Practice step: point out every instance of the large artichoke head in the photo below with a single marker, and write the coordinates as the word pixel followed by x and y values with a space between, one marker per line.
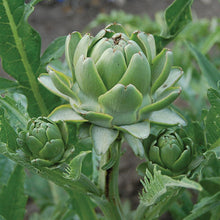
pixel 44 141
pixel 171 151
pixel 118 81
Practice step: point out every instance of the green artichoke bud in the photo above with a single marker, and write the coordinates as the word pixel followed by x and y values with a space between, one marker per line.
pixel 171 151
pixel 44 141
pixel 118 83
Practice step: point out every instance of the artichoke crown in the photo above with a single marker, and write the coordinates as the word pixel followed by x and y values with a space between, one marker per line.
pixel 118 82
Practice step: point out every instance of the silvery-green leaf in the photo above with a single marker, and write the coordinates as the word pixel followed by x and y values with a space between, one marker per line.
pixel 173 77
pixel 88 78
pixel 138 73
pixel 166 117
pixel 141 39
pixel 100 119
pixel 82 48
pixel 103 138
pixel 139 130
pixel 135 144
pixel 62 83
pixel 65 113
pixel 161 67
pixel 117 28
pixel 122 103
pixel 46 81
pixel 111 66
pixel 71 43
pixel 163 102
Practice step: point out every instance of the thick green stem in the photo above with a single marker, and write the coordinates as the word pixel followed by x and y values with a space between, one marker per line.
pixel 112 180
pixel 108 183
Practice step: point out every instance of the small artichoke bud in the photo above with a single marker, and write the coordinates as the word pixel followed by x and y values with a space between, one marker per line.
pixel 44 141
pixel 171 151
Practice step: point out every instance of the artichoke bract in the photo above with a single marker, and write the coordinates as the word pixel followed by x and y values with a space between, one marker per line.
pixel 171 151
pixel 44 141
pixel 118 83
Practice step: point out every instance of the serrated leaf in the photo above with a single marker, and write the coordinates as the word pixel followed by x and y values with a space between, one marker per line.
pixel 177 16
pixel 157 184
pixel 159 190
pixel 56 174
pixel 212 120
pixel 74 168
pixel 13 207
pixel 6 168
pixel 20 50
pixel 210 72
pixel 14 111
pixel 54 51
pixel 7 84
pixel 7 133
pixel 205 205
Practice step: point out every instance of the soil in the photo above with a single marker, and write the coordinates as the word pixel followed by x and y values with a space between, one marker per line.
pixel 54 20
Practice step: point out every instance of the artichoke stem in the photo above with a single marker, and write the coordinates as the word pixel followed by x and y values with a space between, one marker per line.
pixel 108 181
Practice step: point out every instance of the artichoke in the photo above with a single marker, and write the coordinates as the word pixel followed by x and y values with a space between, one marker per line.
pixel 44 141
pixel 171 151
pixel 117 83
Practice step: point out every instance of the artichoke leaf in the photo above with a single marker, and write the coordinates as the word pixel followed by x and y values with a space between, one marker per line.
pixel 174 76
pixel 142 40
pixel 88 78
pixel 138 73
pixel 99 49
pixel 101 34
pixel 130 49
pixel 152 44
pixel 111 66
pixel 115 103
pixel 62 83
pixel 65 113
pixel 71 43
pixel 103 138
pixel 183 160
pixel 34 144
pixel 100 119
pixel 135 144
pixel 139 130
pixel 82 48
pixel 47 82
pixel 75 166
pixel 161 68
pixel 53 150
pixel 117 28
pixel 162 103
pixel 166 117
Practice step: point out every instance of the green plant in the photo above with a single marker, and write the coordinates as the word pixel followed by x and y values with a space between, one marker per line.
pixel 171 150
pixel 111 88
